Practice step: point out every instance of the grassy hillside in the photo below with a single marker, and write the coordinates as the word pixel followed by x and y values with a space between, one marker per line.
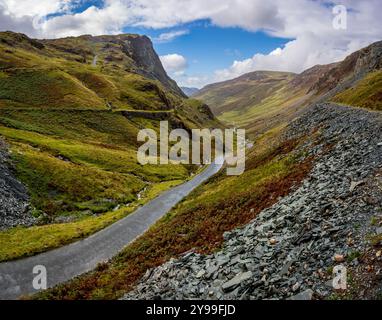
pixel 367 93
pixel 263 103
pixel 199 222
pixel 64 112
pixel 257 101
pixel 262 100
pixel 243 92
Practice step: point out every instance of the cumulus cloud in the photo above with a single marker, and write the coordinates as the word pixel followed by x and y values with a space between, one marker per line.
pixel 176 66
pixel 297 55
pixel 307 22
pixel 194 81
pixel 22 8
pixel 170 36
pixel 315 39
pixel 8 22
pixel 174 63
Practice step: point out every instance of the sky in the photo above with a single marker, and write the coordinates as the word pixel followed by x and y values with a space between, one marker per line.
pixel 206 41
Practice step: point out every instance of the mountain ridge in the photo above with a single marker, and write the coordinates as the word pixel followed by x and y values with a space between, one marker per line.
pixel 127 73
pixel 245 104
pixel 138 49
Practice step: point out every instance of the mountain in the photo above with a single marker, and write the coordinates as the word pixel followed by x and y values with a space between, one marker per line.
pixel 190 91
pixel 304 206
pixel 241 93
pixel 70 113
pixel 255 101
pixel 85 72
pixel 261 100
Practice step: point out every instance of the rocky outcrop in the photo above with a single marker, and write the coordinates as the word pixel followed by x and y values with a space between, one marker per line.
pixel 307 79
pixel 289 250
pixel 135 53
pixel 342 75
pixel 14 201
pixel 141 50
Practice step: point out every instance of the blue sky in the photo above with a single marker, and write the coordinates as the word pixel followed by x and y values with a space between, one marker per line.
pixel 205 46
pixel 205 41
pixel 208 48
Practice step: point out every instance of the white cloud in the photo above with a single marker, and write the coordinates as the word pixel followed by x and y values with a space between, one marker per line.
pixel 170 36
pixel 95 21
pixel 22 8
pixel 176 66
pixel 315 40
pixel 298 55
pixel 308 22
pixel 174 63
pixel 198 81
pixel 25 15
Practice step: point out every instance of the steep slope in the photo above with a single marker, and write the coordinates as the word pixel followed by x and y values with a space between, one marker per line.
pixel 347 73
pixel 13 195
pixel 290 249
pixel 70 112
pixel 243 92
pixel 261 100
pixel 129 52
pixel 111 72
pixel 257 101
pixel 367 93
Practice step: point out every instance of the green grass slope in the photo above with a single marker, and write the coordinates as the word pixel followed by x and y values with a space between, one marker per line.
pixel 257 101
pixel 63 75
pixel 70 111
pixel 367 93
pixel 243 92
pixel 262 100
pixel 199 222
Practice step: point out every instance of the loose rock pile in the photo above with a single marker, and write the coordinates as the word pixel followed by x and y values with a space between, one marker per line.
pixel 14 201
pixel 289 250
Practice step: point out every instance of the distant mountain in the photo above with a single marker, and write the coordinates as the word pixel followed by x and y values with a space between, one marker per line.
pixel 261 100
pixel 243 92
pixel 190 91
pixel 254 101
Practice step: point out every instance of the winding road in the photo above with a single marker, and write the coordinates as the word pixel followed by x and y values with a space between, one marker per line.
pixel 65 263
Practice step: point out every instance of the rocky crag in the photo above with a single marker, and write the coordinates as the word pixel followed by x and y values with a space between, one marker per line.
pixel 289 250
pixel 14 200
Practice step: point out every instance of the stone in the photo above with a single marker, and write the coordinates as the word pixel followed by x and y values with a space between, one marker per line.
pixel 355 184
pixel 303 296
pixel 200 274
pixel 295 287
pixel 339 258
pixel 231 284
pixel 273 241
